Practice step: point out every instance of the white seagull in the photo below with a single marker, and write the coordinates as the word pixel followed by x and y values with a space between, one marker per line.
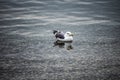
pixel 64 37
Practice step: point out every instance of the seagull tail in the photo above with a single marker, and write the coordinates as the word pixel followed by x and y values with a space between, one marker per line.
pixel 55 31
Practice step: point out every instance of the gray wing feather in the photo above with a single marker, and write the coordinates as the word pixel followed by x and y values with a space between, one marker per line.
pixel 60 35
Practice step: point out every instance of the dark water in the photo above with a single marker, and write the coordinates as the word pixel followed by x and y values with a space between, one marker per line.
pixel 27 50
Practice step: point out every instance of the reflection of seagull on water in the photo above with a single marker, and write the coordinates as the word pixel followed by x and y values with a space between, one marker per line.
pixel 62 45
pixel 64 37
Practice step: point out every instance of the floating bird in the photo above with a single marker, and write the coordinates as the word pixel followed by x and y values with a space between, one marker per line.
pixel 63 37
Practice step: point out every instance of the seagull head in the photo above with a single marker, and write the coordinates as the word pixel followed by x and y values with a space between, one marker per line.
pixel 69 33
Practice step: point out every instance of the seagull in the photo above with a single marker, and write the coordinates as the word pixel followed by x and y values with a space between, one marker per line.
pixel 63 37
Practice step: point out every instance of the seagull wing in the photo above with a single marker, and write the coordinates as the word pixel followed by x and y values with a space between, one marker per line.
pixel 60 35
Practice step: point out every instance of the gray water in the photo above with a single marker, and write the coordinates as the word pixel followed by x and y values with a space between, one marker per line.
pixel 27 50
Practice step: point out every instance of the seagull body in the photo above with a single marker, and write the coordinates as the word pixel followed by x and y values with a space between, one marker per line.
pixel 64 37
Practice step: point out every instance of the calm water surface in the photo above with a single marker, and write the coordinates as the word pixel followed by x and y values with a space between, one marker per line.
pixel 27 50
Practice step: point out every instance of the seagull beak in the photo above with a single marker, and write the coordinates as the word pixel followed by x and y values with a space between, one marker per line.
pixel 71 34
